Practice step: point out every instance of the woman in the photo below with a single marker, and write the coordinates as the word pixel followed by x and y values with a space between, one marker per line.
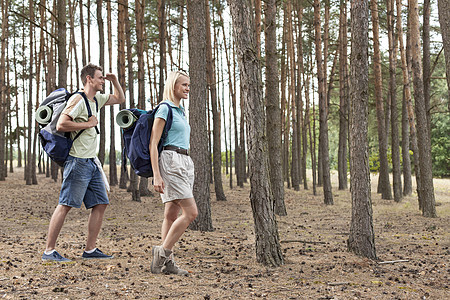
pixel 173 172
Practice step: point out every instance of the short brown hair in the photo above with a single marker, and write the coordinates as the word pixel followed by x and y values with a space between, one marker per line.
pixel 89 69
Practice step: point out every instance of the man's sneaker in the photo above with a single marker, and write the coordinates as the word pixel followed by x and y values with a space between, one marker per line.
pixel 97 254
pixel 171 268
pixel 159 259
pixel 54 256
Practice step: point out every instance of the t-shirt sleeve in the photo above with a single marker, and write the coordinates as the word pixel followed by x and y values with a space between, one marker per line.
pixel 162 112
pixel 101 99
pixel 75 106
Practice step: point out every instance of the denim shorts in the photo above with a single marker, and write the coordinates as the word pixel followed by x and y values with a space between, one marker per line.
pixel 177 172
pixel 82 182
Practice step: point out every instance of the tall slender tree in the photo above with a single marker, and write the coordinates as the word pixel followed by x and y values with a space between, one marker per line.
pixel 323 107
pixel 395 151
pixel 3 45
pixel 30 162
pixel 211 74
pixel 268 250
pixel 362 237
pixel 101 42
pixel 384 184
pixel 444 21
pixel 196 15
pixel 162 45
pixel 273 111
pixel 423 134
pixel 343 97
pixel 408 135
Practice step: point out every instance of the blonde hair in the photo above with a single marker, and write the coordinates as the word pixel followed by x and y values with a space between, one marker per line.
pixel 169 86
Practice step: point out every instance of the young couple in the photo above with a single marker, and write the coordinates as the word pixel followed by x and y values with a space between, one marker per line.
pixel 83 182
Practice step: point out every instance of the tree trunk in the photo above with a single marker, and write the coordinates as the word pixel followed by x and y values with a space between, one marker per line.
pixel 112 150
pixel 211 74
pixel 139 9
pixel 362 237
pixel 343 98
pixel 273 111
pixel 426 59
pixel 444 21
pixel 406 136
pixel 3 44
pixel 284 104
pixel 196 16
pixel 29 167
pixel 423 134
pixel 102 121
pixel 395 152
pixel 384 185
pixel 162 45
pixel 268 249
pixel 323 106
pixel 121 15
pixel 291 99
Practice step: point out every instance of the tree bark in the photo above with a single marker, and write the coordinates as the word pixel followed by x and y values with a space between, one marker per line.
pixel 268 250
pixel 343 98
pixel 102 121
pixel 162 45
pixel 384 185
pixel 211 74
pixel 362 238
pixel 423 134
pixel 323 106
pixel 3 44
pixel 444 21
pixel 122 7
pixel 196 16
pixel 395 152
pixel 407 134
pixel 273 111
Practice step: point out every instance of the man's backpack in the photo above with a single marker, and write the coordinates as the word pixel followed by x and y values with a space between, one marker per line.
pixel 137 138
pixel 57 144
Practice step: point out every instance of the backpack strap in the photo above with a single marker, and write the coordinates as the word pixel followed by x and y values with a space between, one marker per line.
pixel 88 107
pixel 169 120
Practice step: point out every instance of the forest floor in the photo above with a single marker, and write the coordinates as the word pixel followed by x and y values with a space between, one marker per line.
pixel 222 263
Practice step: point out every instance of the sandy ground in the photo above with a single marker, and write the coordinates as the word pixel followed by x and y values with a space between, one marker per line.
pixel 222 263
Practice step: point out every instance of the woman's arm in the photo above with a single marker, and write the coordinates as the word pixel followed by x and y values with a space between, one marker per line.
pixel 157 130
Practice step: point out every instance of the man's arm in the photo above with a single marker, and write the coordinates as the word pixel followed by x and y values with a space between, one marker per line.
pixel 118 97
pixel 66 124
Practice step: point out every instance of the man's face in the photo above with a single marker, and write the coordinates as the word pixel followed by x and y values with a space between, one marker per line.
pixel 97 81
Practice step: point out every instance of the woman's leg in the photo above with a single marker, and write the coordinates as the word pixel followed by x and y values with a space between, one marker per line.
pixel 179 224
pixel 171 210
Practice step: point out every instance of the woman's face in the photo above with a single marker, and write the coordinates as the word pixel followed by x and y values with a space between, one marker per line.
pixel 181 89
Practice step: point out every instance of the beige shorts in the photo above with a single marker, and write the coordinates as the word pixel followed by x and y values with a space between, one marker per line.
pixel 177 172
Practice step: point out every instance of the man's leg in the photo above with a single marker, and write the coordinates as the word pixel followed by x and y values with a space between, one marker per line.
pixel 56 223
pixel 94 225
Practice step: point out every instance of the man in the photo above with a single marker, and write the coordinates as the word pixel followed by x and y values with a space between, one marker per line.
pixel 83 179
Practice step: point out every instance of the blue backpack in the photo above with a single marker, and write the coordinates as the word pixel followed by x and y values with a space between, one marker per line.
pixel 137 139
pixel 57 144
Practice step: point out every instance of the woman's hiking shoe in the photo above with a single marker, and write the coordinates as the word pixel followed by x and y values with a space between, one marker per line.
pixel 97 254
pixel 163 262
pixel 159 259
pixel 54 256
pixel 171 268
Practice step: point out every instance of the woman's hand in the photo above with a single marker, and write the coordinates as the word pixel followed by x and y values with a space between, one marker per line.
pixel 158 184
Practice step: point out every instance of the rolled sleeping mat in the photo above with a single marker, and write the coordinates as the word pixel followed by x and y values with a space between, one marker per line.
pixel 125 119
pixel 44 115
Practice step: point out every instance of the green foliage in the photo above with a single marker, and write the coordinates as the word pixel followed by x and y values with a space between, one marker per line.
pixel 440 144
